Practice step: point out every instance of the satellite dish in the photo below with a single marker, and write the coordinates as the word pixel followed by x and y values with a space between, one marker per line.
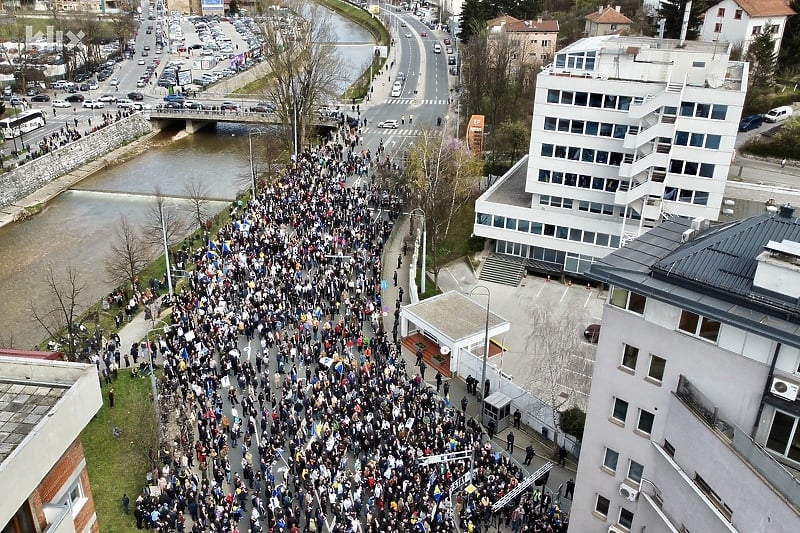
pixel 714 81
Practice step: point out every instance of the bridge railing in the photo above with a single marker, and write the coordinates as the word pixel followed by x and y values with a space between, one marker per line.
pixel 230 115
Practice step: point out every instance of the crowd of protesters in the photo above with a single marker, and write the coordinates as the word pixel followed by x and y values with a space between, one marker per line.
pixel 299 413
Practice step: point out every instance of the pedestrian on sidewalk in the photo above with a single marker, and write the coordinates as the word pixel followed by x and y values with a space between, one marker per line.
pixel 438 381
pixel 510 442
pixel 419 357
pixel 422 368
pixel 111 398
pixel 446 388
pixel 491 427
pixel 464 402
pixel 400 292
pixel 783 164
pixel 394 277
pixel 399 260
pixel 570 489
pixel 530 453
pixel 562 456
pixel 517 419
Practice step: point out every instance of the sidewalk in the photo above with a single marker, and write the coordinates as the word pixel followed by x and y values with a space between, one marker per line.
pixel 458 388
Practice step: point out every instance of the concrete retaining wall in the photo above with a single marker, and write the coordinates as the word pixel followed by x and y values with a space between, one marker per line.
pixel 34 175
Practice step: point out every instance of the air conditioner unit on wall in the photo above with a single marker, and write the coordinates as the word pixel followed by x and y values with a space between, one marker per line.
pixel 628 492
pixel 785 389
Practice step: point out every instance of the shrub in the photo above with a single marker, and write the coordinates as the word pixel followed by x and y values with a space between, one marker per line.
pixel 572 421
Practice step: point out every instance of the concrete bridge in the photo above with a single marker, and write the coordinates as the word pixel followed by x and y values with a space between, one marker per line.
pixel 198 118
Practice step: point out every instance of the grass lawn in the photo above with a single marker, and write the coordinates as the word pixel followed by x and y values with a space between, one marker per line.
pixel 118 466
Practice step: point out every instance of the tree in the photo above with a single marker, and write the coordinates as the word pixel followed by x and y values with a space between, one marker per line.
pixel 789 57
pixel 511 140
pixel 164 222
pixel 197 193
pixel 129 255
pixel 762 58
pixel 307 72
pixel 58 312
pixel 474 15
pixel 572 421
pixel 673 11
pixel 560 364
pixel 442 175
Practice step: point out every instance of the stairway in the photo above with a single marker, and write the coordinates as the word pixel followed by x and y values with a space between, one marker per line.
pixel 504 269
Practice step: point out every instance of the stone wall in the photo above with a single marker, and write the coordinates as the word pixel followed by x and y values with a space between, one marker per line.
pixel 34 175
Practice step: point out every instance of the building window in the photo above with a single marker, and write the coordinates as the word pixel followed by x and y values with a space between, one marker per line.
pixel 625 518
pixel 756 30
pixel 718 27
pixel 737 15
pixel 718 502
pixel 645 424
pixel 669 448
pixel 629 356
pixel 628 300
pixel 656 370
pixel 620 411
pixel 721 12
pixel 601 505
pixel 635 471
pixel 610 460
pixel 700 326
pixel 74 498
pixel 784 436
pixel 545 44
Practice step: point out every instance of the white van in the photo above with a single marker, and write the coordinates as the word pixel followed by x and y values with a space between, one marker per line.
pixel 437 48
pixel 778 114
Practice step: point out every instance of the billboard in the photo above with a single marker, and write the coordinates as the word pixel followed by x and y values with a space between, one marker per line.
pixel 184 77
pixel 213 7
pixel 374 9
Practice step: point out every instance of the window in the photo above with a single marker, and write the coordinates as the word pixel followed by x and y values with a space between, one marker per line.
pixel 610 460
pixel 719 111
pixel 718 27
pixel 645 424
pixel 601 505
pixel 737 15
pixel 629 356
pixel 702 327
pixel 657 366
pixel 620 411
pixel 756 30
pixel 74 498
pixel 721 12
pixel 625 518
pixel 628 300
pixel 784 436
pixel 718 502
pixel 669 448
pixel 552 96
pixel 635 471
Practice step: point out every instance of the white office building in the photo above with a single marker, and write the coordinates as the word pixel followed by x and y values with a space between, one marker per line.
pixel 627 131
pixel 693 422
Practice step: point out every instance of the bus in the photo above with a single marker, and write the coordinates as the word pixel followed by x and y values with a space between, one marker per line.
pixel 23 122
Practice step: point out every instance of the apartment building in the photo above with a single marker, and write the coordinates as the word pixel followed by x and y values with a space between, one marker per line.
pixel 44 406
pixel 626 132
pixel 530 42
pixel 693 414
pixel 606 21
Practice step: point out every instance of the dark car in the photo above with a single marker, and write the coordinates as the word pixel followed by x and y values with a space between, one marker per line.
pixel 263 107
pixel 84 87
pixel 592 333
pixel 136 96
pixel 40 98
pixel 751 122
pixel 75 98
pixel 229 106
pixel 451 60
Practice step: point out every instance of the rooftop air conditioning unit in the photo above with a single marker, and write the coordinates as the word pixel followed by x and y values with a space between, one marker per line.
pixel 628 492
pixel 785 389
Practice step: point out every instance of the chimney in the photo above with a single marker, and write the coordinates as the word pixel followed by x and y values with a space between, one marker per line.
pixel 786 211
pixel 600 10
pixel 685 25
pixel 619 9
pixel 538 20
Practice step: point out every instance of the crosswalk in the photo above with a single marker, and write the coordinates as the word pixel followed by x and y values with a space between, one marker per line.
pixel 407 101
pixel 387 132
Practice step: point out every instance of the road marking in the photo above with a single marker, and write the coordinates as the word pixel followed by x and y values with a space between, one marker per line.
pixel 566 290
pixel 540 291
pixel 588 299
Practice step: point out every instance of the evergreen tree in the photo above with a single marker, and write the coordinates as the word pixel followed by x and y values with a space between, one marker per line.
pixel 672 11
pixel 474 16
pixel 762 58
pixel 789 57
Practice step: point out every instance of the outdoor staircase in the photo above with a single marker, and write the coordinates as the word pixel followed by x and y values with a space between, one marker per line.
pixel 504 269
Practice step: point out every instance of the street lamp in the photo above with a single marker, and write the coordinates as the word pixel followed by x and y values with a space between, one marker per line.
pixel 254 131
pixel 485 345
pixel 424 245
pixel 166 249
pixel 154 389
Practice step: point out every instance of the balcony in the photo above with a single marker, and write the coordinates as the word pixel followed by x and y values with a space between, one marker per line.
pixel 781 480
pixel 633 166
pixel 631 191
pixel 636 138
pixel 670 96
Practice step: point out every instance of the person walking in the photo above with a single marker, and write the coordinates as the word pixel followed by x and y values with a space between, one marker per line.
pixel 464 402
pixel 570 489
pixel 394 277
pixel 510 442
pixel 783 164
pixel 530 453
pixel 399 260
pixel 562 456
pixel 438 381
pixel 517 419
pixel 491 427
pixel 422 368
pixel 111 398
pixel 446 388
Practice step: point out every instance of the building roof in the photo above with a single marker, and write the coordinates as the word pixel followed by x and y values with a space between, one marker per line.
pixel 510 24
pixel 22 407
pixel 765 8
pixel 711 273
pixel 608 15
pixel 456 315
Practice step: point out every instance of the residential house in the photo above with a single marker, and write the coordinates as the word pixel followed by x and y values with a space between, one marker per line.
pixel 606 21
pixel 740 21
pixel 532 41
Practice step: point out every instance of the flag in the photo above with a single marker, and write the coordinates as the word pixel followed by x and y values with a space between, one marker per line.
pixel 212 245
pixel 225 248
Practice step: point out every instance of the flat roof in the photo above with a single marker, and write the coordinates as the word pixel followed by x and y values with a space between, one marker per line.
pixel 456 315
pixel 22 406
pixel 510 190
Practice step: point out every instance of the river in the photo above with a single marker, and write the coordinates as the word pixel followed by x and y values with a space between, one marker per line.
pixel 76 228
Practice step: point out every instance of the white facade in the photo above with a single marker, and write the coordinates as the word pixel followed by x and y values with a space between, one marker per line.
pixel 624 133
pixel 727 21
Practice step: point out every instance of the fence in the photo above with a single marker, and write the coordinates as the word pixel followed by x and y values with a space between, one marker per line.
pixel 535 413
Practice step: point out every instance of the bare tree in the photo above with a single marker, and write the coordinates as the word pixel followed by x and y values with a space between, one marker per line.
pixel 129 255
pixel 197 193
pixel 306 69
pixel 442 175
pixel 58 312
pixel 164 221
pixel 269 149
pixel 560 365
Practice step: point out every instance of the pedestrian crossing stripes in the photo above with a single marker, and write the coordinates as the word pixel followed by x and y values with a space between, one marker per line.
pixel 408 101
pixel 403 132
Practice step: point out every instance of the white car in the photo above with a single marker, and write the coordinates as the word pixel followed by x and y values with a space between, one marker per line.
pixel 391 124
pixel 396 92
pixel 124 103
pixel 141 61
pixel 141 83
pixel 108 98
pixel 93 86
pixel 114 82
pixel 93 104
pixel 60 103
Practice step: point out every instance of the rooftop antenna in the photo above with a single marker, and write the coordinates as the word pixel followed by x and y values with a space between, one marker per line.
pixel 662 23
pixel 685 25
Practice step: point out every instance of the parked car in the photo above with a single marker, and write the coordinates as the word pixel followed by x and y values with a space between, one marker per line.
pixel 40 98
pixel 75 98
pixel 592 333
pixel 136 96
pixel 751 122
pixel 93 104
pixel 263 107
pixel 778 114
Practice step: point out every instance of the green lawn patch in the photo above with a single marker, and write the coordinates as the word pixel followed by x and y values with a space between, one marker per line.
pixel 118 465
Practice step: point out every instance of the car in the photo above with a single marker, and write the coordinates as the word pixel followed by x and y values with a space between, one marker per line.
pixel 175 98
pixel 33 91
pixel 449 50
pixel 263 107
pixel 451 60
pixel 454 71
pixel 403 24
pixel 107 98
pixel 141 83
pixel 141 61
pixel 124 103
pixel 391 124
pixel 75 98
pixel 751 122
pixel 145 53
pixel 408 36
pixel 40 98
pixel 148 32
pixel 423 34
pixel 93 104
pixel 190 104
pixel 146 48
pixel 84 87
pixel 93 85
pixel 592 333
pixel 447 42
pixel 60 103
pixel 172 105
pixel 229 106
pixel 136 96
pixel 401 77
pixel 114 82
